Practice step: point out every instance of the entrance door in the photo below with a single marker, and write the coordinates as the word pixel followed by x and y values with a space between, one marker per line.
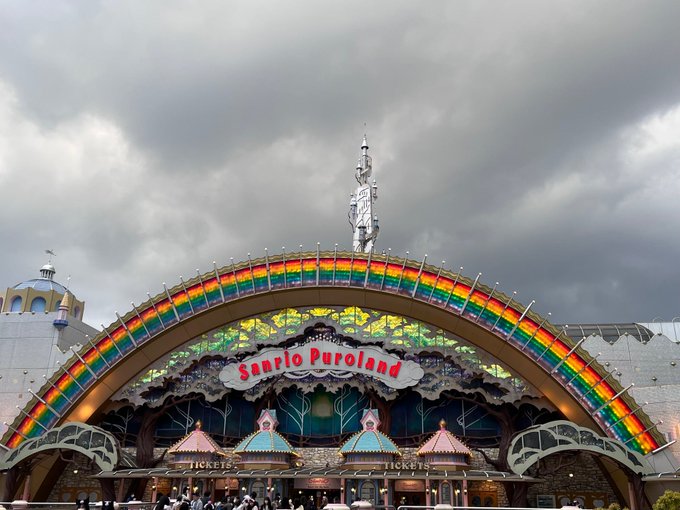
pixel 409 498
pixel 483 498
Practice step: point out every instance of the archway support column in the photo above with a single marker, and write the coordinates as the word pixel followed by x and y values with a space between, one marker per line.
pixel 27 488
pixel 632 498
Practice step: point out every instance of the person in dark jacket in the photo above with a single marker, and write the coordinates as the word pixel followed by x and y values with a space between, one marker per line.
pixel 162 501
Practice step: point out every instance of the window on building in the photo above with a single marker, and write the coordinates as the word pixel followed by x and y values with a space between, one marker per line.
pixel 0 304
pixel 367 491
pixel 38 304
pixel 76 312
pixel 57 305
pixel 15 305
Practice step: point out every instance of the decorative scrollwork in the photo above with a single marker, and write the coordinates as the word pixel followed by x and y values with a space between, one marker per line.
pixel 535 443
pixel 93 442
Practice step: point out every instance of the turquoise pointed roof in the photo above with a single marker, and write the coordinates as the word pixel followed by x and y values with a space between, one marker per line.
pixel 369 440
pixel 265 440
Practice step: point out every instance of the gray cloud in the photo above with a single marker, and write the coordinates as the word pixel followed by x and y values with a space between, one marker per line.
pixel 536 143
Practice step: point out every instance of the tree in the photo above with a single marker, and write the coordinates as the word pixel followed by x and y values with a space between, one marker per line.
pixel 670 500
pixel 505 416
pixel 146 441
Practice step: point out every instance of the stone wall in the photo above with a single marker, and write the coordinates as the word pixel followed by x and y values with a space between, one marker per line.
pixel 75 482
pixel 583 477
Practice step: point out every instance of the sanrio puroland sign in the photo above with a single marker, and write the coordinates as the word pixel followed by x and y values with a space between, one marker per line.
pixel 319 359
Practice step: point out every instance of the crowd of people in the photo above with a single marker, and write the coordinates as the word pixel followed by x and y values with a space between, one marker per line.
pixel 248 502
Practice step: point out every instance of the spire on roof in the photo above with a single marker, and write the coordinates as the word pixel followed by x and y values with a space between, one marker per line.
pixel 362 218
pixel 267 420
pixel 370 419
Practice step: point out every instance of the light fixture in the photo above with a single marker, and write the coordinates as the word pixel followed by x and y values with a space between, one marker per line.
pixel 571 475
pixel 75 471
pixel 243 489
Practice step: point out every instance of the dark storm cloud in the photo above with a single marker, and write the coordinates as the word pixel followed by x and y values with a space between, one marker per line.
pixel 535 143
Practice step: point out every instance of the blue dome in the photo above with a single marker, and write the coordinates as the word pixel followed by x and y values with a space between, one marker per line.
pixel 369 441
pixel 41 284
pixel 264 441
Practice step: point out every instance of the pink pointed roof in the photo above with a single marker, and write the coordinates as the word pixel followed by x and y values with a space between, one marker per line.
pixel 443 442
pixel 196 441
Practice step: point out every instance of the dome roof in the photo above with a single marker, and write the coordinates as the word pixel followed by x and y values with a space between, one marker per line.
pixel 443 442
pixel 196 441
pixel 369 441
pixel 41 284
pixel 265 441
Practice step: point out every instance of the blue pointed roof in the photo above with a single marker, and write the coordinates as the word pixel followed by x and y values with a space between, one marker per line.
pixel 265 440
pixel 369 440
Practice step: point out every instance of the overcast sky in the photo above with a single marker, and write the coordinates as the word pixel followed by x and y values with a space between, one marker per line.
pixel 535 142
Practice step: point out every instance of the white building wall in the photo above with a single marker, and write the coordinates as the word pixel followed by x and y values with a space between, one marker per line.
pixel 654 368
pixel 30 347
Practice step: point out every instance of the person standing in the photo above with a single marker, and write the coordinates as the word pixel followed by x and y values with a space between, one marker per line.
pixel 196 503
pixel 162 502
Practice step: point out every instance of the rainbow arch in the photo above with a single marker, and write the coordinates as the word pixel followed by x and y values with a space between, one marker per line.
pixel 611 407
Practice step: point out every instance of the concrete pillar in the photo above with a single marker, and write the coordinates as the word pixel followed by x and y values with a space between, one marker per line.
pixel 343 491
pixel 631 496
pixel 154 489
pixel 386 496
pixel 27 488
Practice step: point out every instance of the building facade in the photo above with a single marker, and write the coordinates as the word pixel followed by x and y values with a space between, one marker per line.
pixel 340 375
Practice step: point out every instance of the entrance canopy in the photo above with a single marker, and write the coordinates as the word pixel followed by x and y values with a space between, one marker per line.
pixel 547 358
pixel 312 472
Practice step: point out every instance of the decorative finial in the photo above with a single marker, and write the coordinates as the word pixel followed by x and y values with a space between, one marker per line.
pixel 442 424
pixel 47 271
pixel 199 424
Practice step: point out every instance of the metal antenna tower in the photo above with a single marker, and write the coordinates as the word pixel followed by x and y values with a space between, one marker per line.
pixel 362 215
